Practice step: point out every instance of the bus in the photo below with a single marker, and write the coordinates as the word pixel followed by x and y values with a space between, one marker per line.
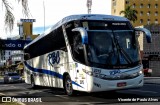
pixel 87 52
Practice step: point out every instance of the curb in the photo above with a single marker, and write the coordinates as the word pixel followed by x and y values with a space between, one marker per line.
pixel 151 77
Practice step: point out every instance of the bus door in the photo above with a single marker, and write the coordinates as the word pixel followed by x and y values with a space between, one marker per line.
pixel 80 64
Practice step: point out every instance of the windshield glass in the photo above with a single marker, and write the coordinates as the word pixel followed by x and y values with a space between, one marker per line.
pixel 112 47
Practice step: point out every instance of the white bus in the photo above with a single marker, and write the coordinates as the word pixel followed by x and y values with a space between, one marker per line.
pixel 89 53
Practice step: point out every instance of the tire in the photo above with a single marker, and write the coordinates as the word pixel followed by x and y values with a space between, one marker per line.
pixel 6 81
pixel 68 86
pixel 33 82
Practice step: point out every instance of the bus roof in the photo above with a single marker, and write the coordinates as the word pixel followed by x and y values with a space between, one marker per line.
pixel 78 17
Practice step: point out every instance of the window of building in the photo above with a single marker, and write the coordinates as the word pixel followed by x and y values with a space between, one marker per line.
pixel 134 5
pixel 141 5
pixel 156 5
pixel 141 20
pixel 148 13
pixel 127 2
pixel 149 6
pixel 148 21
pixel 30 28
pixel 141 13
pixel 156 13
pixel 156 21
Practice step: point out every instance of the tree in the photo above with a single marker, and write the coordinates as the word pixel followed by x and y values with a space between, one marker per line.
pixel 130 14
pixel 9 16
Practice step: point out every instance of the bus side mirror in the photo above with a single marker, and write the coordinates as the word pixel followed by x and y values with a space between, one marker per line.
pixel 26 56
pixel 146 32
pixel 83 33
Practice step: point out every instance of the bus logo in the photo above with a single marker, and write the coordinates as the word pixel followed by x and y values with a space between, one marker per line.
pixel 53 58
pixel 114 72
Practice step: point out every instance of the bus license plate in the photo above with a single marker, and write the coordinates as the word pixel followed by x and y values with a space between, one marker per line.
pixel 121 84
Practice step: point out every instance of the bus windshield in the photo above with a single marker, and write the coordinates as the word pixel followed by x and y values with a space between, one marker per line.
pixel 112 47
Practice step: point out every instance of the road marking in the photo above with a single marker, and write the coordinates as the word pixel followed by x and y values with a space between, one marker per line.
pixel 2 94
pixel 62 96
pixel 144 91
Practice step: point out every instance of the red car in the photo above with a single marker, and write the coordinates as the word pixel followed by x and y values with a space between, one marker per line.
pixel 147 72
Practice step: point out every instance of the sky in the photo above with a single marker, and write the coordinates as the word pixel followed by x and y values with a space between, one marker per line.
pixel 54 11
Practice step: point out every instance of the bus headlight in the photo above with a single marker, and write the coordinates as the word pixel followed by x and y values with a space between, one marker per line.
pixel 10 78
pixel 140 72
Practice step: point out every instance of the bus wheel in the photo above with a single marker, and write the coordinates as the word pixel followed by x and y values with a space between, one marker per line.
pixel 32 82
pixel 68 86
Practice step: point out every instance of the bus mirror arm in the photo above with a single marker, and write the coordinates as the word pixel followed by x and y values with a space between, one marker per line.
pixel 83 33
pixel 146 32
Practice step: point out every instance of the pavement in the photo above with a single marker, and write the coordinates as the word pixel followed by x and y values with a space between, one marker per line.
pixel 152 80
pixel 147 80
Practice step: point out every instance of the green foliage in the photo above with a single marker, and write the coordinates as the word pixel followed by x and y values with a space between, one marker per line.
pixel 9 16
pixel 130 14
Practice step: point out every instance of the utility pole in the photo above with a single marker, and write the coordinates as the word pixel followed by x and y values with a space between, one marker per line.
pixel 44 14
pixel 89 4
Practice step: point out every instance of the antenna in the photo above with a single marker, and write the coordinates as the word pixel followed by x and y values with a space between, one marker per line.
pixel 44 14
pixel 89 4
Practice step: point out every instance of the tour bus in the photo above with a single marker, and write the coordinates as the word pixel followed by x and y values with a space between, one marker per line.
pixel 89 53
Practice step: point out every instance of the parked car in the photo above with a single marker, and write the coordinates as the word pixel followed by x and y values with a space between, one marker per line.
pixel 11 77
pixel 147 72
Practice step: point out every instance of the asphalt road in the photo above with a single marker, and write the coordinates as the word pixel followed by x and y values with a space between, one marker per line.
pixel 147 95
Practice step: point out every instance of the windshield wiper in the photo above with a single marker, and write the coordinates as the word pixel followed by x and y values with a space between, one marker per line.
pixel 122 51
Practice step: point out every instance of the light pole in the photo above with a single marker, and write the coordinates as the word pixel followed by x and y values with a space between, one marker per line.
pixel 89 4
pixel 44 14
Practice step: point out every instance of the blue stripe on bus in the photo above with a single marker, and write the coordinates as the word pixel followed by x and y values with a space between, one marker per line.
pixel 52 73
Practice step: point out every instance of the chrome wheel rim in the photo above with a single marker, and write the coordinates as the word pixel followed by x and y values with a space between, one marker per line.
pixel 69 86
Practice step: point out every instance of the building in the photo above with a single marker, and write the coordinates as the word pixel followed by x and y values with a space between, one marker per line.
pixel 151 51
pixel 4 56
pixel 148 17
pixel 11 60
pixel 25 29
pixel 148 10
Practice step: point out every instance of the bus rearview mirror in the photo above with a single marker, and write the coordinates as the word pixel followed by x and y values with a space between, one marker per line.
pixel 83 33
pixel 146 32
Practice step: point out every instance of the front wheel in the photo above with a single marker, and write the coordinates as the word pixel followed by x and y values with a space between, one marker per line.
pixel 32 82
pixel 68 86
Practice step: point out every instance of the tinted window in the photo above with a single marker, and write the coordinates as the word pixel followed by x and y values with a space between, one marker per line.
pixel 53 41
pixel 13 74
pixel 107 25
